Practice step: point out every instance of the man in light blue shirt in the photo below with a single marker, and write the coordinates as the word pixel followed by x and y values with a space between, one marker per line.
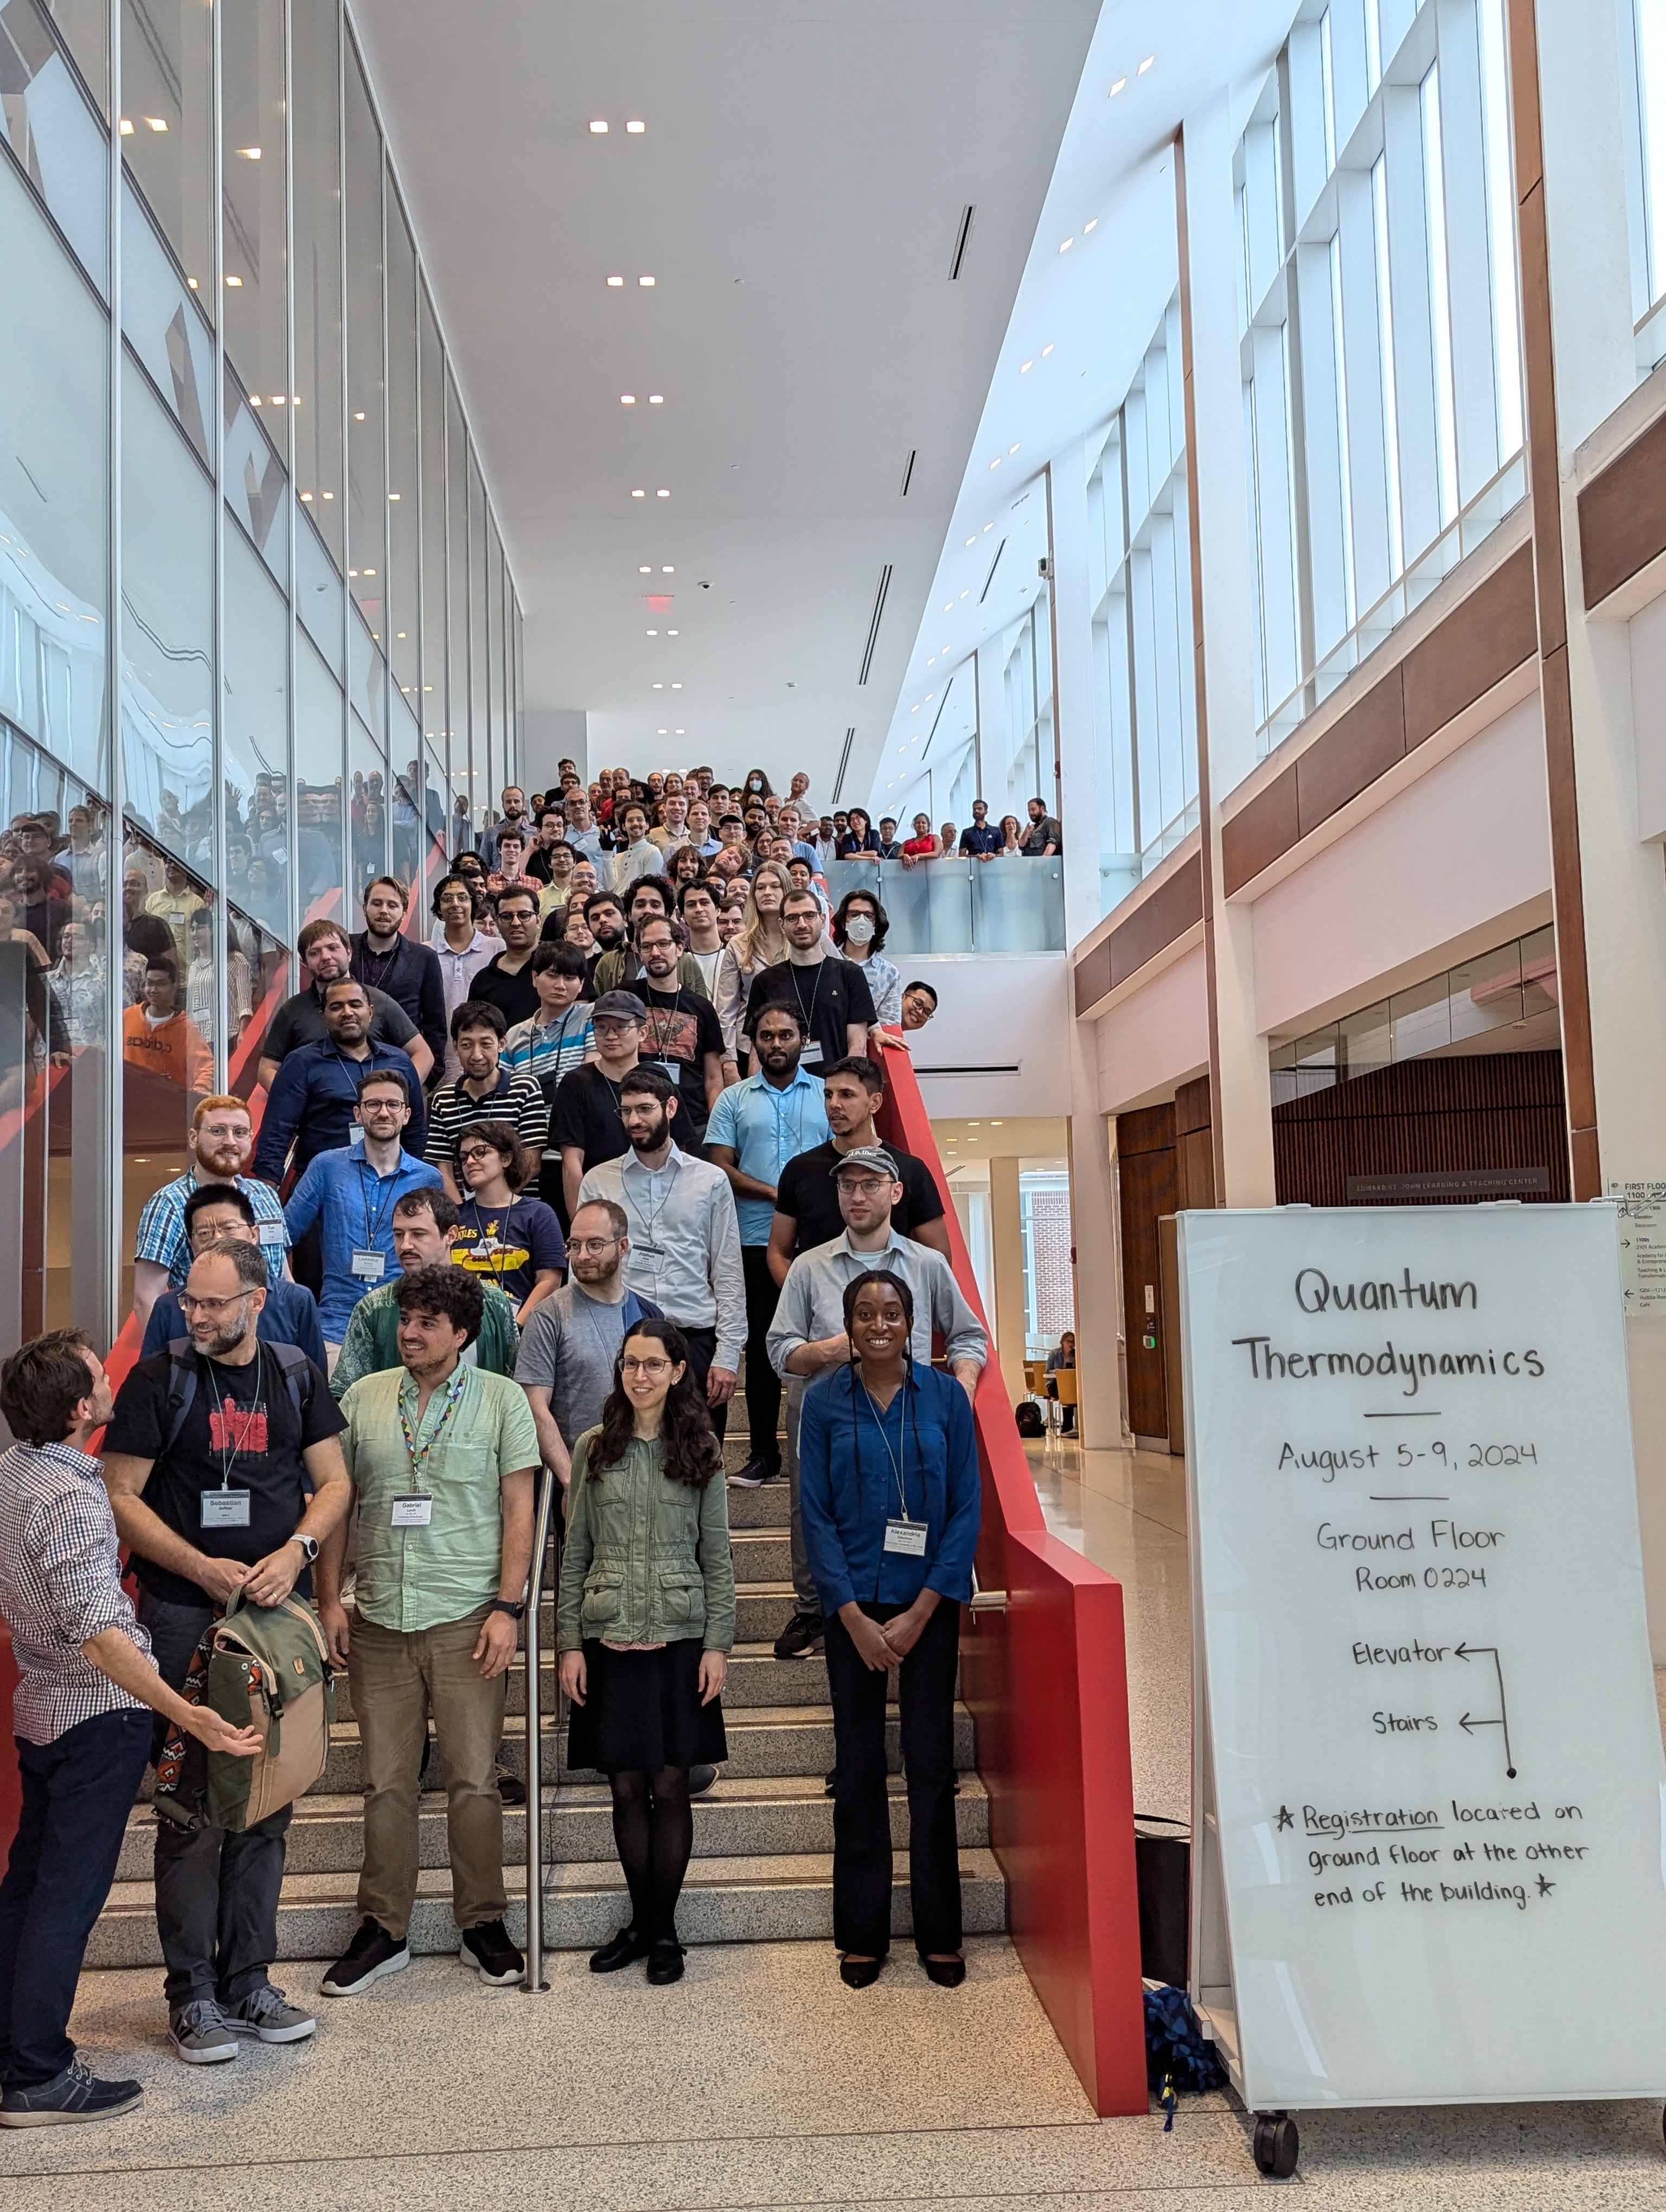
pixel 755 1129
pixel 356 1189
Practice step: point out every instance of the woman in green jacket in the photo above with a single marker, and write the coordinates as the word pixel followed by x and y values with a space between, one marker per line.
pixel 644 1626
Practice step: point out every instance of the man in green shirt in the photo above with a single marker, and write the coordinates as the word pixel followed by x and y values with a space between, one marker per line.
pixel 443 1458
pixel 422 1223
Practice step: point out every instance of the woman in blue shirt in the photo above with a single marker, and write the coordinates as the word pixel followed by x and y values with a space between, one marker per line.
pixel 890 1497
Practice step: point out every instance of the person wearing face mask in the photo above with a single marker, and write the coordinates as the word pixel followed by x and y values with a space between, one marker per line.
pixel 859 930
pixel 889 1492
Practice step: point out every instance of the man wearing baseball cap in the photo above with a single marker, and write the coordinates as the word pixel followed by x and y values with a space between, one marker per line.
pixel 807 1336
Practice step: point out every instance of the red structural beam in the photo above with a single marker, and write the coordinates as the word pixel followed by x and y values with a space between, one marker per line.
pixel 1046 1682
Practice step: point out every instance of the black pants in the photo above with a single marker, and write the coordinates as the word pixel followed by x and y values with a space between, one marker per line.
pixel 861 1815
pixel 762 1383
pixel 703 1347
pixel 77 1793
pixel 216 1890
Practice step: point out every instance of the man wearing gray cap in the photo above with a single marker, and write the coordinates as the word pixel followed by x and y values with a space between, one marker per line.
pixel 585 1125
pixel 807 1336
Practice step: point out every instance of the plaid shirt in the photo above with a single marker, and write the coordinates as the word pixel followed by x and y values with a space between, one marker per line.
pixel 161 1237
pixel 60 1585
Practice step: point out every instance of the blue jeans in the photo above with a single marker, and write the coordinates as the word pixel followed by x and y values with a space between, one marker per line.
pixel 77 1793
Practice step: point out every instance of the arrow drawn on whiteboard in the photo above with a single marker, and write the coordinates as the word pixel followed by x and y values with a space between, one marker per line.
pixel 1501 1718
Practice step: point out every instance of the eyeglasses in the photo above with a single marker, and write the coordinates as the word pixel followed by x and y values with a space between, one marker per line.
pixel 210 1309
pixel 476 1152
pixel 591 1243
pixel 631 1366
pixel 384 1106
pixel 863 1186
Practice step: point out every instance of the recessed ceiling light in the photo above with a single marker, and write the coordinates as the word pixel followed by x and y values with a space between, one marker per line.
pixel 598 129
pixel 673 633
pixel 306 495
pixel 248 152
pixel 988 525
pixel 639 493
pixel 653 633
pixel 1116 88
pixel 667 570
pixel 681 732
pixel 635 126
pixel 399 633
pixel 1065 248
pixel 627 399
pixel 1087 226
pixel 393 494
pixel 932 662
pixel 359 417
pixel 676 687
pixel 972 540
pixel 645 570
pixel 329 495
pixel 656 399
pixel 646 283
pixel 192 282
pixel 1046 350
pixel 948 606
pixel 664 734
pixel 236 283
pixel 663 492
pixel 659 687
pixel 1144 64
pixel 1025 367
pixel 126 128
pixel 254 399
pixel 967 593
pixel 1012 449
pixel 157 122
pixel 614 282
pixel 995 463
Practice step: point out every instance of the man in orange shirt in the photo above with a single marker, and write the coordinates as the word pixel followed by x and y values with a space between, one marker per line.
pixel 160 1035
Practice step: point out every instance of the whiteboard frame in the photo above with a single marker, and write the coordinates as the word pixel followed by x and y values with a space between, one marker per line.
pixel 1209 1968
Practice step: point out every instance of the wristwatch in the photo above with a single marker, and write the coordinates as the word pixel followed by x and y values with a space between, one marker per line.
pixel 507 1605
pixel 308 1546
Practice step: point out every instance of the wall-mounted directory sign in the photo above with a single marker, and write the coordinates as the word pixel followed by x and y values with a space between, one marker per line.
pixel 1429 1771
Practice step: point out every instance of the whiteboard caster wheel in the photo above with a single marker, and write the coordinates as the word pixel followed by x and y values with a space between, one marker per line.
pixel 1276 2145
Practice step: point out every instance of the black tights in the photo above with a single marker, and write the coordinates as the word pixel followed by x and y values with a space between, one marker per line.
pixel 654 1831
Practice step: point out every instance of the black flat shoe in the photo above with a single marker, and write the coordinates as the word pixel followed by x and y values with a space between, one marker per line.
pixel 664 1962
pixel 626 1946
pixel 860 1973
pixel 947 1973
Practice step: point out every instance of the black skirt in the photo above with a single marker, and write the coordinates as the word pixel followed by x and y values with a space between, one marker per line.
pixel 642 1711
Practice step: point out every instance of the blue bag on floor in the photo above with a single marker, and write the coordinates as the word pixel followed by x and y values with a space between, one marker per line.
pixel 1176 2055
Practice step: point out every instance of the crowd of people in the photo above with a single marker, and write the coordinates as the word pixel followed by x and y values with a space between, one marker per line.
pixel 529 1201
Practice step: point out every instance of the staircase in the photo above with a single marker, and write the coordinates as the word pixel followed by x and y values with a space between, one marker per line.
pixel 763 1861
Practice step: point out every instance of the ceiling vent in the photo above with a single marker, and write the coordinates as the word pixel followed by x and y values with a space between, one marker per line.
pixel 908 471
pixel 990 578
pixel 873 626
pixel 963 238
pixel 844 762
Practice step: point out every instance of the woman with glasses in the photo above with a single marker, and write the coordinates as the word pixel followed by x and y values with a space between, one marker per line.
pixel 644 1624
pixel 889 1494
pixel 503 1238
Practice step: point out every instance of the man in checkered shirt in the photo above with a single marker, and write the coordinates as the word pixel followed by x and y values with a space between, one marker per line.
pixel 87 1688
pixel 221 1143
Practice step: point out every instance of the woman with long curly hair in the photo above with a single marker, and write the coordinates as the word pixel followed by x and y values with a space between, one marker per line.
pixel 644 1624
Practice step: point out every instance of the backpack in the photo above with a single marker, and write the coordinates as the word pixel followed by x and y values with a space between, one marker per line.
pixel 1177 2057
pixel 292 1364
pixel 1027 1416
pixel 260 1666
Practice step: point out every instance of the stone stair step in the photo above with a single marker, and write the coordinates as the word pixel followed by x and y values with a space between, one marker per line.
pixel 724 1900
pixel 769 1507
pixel 737 1818
pixel 757 1677
pixel 763 1740
pixel 760 1555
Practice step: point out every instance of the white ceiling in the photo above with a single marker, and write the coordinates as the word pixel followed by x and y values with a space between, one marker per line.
pixel 796 196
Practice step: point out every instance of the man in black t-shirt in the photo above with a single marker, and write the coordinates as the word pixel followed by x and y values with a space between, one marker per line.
pixel 681 1031
pixel 806 1197
pixel 830 996
pixel 326 953
pixel 505 980
pixel 240 1498
pixel 586 1125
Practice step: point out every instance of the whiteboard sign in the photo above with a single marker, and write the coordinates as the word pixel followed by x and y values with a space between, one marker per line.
pixel 1432 1782
pixel 1642 1246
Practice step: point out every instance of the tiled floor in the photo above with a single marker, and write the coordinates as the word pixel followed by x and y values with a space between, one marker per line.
pixel 761 2082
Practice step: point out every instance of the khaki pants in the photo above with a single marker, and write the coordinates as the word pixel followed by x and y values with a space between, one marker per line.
pixel 398 1679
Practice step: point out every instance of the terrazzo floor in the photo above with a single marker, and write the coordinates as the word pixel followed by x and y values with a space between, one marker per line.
pixel 761 2082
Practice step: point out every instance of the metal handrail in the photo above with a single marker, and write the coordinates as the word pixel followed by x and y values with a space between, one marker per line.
pixel 534 1982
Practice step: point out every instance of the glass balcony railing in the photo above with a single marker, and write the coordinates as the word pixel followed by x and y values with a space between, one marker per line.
pixel 962 905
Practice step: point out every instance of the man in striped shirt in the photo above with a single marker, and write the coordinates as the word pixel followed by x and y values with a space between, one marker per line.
pixel 486 1091
pixel 82 1710
pixel 558 1037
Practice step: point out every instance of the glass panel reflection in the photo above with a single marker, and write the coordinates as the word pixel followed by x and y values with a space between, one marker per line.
pixel 45 120
pixel 167 125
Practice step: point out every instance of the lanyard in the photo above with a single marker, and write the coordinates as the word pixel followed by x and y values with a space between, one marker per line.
pixel 386 1187
pixel 419 1454
pixel 650 1221
pixel 494 1258
pixel 229 1450
pixel 879 1423
pixel 807 1018
pixel 778 1100
pixel 541 1047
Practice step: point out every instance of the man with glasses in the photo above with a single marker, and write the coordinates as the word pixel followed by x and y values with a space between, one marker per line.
pixel 486 1091
pixel 224 1473
pixel 587 1126
pixel 220 1144
pixel 572 1342
pixel 352 1191
pixel 506 981
pixel 807 1337
pixel 830 995
pixel 582 834
pixel 311 1103
pixel 214 1214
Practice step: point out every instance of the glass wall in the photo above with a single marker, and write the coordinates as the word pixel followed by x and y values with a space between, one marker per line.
pixel 1380 335
pixel 249 650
